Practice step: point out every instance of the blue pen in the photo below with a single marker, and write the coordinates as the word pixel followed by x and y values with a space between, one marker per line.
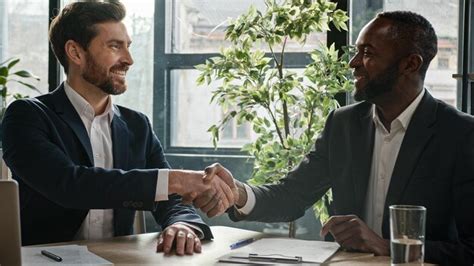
pixel 242 243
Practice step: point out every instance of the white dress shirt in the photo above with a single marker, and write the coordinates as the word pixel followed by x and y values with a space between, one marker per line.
pixel 385 152
pixel 386 147
pixel 99 223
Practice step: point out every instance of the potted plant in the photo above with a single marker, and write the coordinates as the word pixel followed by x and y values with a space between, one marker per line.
pixel 286 110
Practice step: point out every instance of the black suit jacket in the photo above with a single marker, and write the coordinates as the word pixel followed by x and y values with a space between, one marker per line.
pixel 434 168
pixel 48 150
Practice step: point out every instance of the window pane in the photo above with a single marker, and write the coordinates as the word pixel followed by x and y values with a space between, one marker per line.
pixel 139 23
pixel 444 16
pixel 198 26
pixel 24 35
pixel 192 115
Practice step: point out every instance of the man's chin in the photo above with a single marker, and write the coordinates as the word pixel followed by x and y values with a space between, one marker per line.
pixel 119 89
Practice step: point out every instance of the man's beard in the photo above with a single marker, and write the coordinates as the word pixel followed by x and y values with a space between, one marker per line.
pixel 378 85
pixel 97 75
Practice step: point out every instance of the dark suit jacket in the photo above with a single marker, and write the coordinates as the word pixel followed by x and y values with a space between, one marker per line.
pixel 48 150
pixel 434 168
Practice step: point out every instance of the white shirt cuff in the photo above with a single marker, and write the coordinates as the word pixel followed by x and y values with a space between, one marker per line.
pixel 162 185
pixel 196 229
pixel 250 204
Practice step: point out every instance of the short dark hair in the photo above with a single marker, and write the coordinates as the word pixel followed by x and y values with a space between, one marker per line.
pixel 416 33
pixel 77 22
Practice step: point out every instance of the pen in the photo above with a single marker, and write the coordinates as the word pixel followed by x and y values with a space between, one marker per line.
pixel 242 243
pixel 51 255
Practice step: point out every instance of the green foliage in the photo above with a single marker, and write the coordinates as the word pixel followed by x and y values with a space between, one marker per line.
pixel 286 109
pixel 7 75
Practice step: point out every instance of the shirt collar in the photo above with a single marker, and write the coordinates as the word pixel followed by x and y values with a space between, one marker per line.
pixel 83 107
pixel 405 117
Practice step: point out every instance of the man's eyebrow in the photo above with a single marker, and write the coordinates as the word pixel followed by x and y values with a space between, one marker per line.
pixel 121 42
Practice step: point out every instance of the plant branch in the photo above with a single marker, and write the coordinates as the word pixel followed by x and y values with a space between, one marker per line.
pixel 286 118
pixel 280 136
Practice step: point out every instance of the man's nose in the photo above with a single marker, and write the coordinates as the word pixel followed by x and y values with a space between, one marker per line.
pixel 355 61
pixel 127 57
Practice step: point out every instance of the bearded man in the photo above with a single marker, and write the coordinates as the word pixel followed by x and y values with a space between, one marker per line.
pixel 399 145
pixel 84 164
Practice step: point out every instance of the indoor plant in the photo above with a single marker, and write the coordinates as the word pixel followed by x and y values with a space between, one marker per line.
pixel 286 109
pixel 7 75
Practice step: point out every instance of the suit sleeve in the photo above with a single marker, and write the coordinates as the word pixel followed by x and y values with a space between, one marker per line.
pixel 302 187
pixel 460 252
pixel 35 157
pixel 171 211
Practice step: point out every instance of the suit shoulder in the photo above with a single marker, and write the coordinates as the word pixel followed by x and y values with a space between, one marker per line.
pixel 359 108
pixel 452 116
pixel 25 104
pixel 130 114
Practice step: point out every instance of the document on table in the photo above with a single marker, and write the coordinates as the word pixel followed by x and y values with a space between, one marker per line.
pixel 309 251
pixel 70 254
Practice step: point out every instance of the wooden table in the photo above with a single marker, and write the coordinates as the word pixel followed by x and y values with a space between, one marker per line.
pixel 140 250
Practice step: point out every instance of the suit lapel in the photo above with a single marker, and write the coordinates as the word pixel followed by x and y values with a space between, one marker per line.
pixel 362 155
pixel 419 132
pixel 66 111
pixel 120 135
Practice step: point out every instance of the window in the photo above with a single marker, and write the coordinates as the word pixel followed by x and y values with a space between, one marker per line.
pixel 444 16
pixel 16 18
pixel 197 32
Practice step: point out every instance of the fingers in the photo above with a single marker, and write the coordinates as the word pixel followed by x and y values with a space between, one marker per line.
pixel 204 198
pixel 229 195
pixel 190 242
pixel 168 239
pixel 180 242
pixel 333 221
pixel 222 172
pixel 211 203
pixel 184 239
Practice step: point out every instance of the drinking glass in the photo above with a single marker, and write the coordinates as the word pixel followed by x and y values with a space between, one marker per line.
pixel 407 234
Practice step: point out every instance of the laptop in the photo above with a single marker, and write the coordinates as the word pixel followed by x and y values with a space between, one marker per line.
pixel 10 235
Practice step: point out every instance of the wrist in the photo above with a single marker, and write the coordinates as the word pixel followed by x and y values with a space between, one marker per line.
pixel 174 184
pixel 242 200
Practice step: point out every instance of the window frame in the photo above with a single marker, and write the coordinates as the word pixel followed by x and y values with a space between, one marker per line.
pixel 165 62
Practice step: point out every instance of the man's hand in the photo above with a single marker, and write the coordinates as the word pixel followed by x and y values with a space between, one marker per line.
pixel 352 233
pixel 208 201
pixel 180 237
pixel 183 182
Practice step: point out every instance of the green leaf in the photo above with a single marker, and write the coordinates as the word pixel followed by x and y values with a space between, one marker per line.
pixel 13 63
pixel 25 74
pixel 4 71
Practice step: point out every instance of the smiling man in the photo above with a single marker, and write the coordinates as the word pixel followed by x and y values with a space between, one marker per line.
pixel 398 146
pixel 84 165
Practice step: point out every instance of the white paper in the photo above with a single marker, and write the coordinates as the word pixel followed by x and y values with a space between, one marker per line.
pixel 71 254
pixel 310 251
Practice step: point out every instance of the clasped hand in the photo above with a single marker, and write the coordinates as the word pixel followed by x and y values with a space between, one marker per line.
pixel 212 190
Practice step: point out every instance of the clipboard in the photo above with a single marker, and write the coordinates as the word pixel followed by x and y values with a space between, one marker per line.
pixel 271 251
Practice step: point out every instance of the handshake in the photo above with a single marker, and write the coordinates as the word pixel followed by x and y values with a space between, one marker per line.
pixel 213 190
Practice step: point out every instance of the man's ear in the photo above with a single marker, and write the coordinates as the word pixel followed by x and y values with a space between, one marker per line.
pixel 74 52
pixel 412 64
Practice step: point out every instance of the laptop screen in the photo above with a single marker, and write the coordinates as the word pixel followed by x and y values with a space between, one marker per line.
pixel 10 238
